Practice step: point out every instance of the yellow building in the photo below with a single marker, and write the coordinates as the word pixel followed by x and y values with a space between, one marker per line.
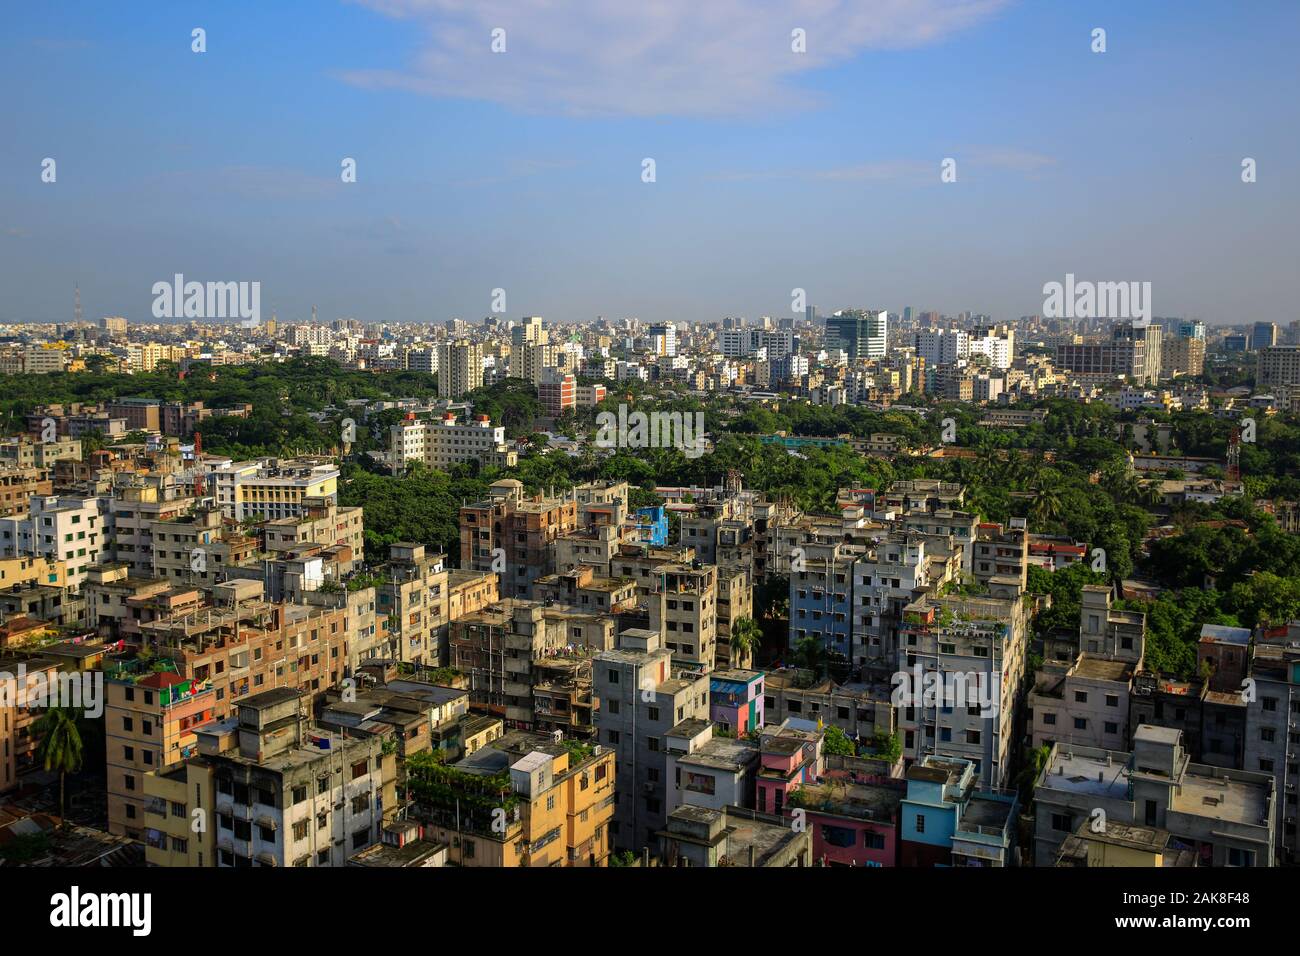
pixel 17 572
pixel 175 834
pixel 1098 842
pixel 523 800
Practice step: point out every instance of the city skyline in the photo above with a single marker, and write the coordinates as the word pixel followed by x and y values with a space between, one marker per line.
pixel 523 171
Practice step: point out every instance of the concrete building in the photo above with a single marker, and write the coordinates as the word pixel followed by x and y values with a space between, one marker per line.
pixel 1277 366
pixel 1272 728
pixel 642 699
pixel 460 368
pixel 697 836
pixel 289 794
pixel 442 442
pixel 707 771
pixel 683 607
pixel 67 528
pixel 960 663
pixel 558 799
pixel 272 488
pixel 514 535
pixel 1225 817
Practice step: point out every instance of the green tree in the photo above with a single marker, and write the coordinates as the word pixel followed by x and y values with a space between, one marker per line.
pixel 60 747
pixel 746 637
pixel 836 741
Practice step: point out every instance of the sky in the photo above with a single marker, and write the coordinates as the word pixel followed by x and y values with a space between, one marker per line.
pixel 523 170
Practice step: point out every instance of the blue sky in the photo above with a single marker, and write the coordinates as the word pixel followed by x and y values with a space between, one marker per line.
pixel 775 170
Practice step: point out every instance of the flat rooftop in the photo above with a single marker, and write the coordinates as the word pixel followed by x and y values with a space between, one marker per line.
pixel 1230 800
pixel 1098 668
pixel 1089 775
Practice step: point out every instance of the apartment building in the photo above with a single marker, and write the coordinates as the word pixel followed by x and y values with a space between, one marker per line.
pixel 1181 355
pixel 1273 732
pixel 442 442
pixel 321 521
pixel 733 836
pixel 18 484
pixel 24 452
pixel 642 698
pixel 1225 817
pixel 960 663
pixel 581 588
pixel 198 548
pixel 67 528
pixel 138 502
pixel 514 535
pixel 558 798
pixel 735 603
pixel 411 604
pixel 286 793
pixel 460 368
pixel 946 819
pixel 1000 557
pixel 883 582
pixel 821 600
pixel 272 488
pixel 1087 700
pixel 708 771
pixel 503 649
pixel 1277 367
pixel 150 719
pixel 18 739
pixel 684 611
pixel 236 646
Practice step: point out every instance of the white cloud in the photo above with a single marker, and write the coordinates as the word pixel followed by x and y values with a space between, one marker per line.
pixel 649 57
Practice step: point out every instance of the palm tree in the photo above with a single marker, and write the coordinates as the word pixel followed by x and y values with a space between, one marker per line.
pixel 60 747
pixel 1047 505
pixel 745 638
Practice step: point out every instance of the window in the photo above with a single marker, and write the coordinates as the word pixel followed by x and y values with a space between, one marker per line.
pixel 920 823
pixel 838 836
pixel 1061 822
pixel 1080 697
pixel 300 830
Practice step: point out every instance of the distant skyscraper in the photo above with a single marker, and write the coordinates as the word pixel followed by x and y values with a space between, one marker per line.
pixel 663 338
pixel 1263 336
pixel 861 334
pixel 460 368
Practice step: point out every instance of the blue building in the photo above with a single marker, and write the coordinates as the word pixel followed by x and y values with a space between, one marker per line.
pixel 652 526
pixel 946 821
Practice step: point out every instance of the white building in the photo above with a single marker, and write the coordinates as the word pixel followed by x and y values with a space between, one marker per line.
pixel 67 528
pixel 443 442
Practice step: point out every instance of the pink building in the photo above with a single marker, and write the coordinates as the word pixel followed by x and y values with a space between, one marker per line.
pixel 788 759
pixel 852 824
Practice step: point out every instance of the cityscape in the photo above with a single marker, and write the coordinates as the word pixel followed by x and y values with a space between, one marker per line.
pixel 869 575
